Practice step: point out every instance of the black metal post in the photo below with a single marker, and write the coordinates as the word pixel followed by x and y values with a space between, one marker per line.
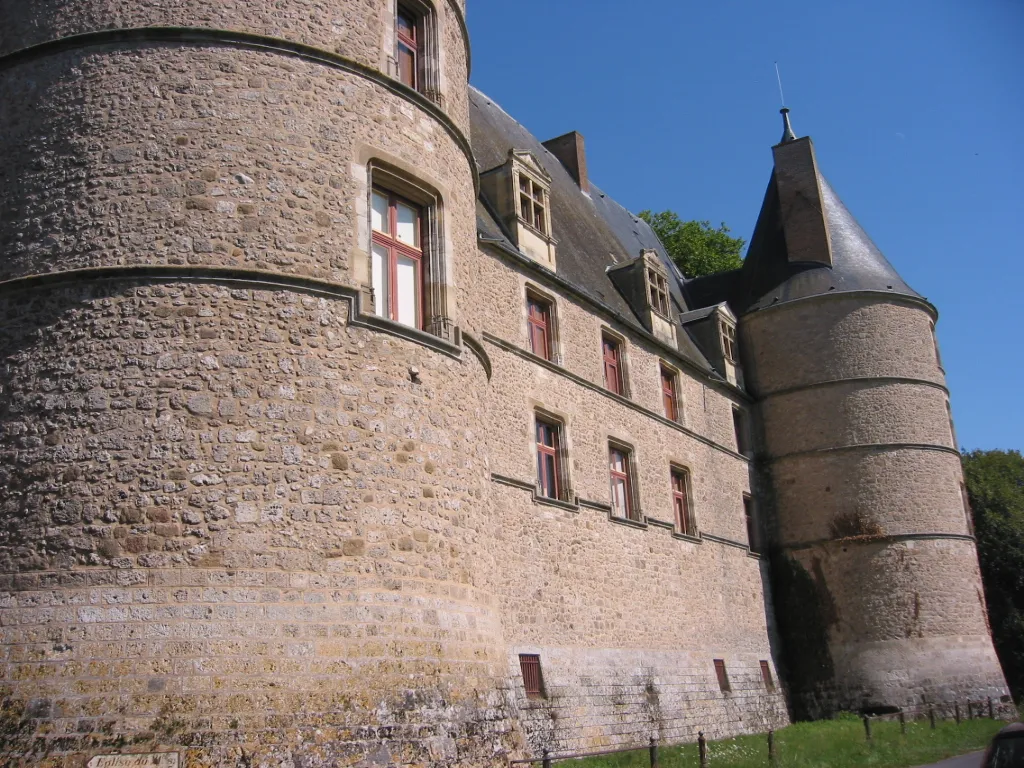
pixel 654 753
pixel 771 746
pixel 867 728
pixel 547 759
pixel 702 745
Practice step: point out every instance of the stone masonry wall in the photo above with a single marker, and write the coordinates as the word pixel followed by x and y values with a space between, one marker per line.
pixel 876 578
pixel 627 621
pixel 356 29
pixel 237 521
pixel 231 517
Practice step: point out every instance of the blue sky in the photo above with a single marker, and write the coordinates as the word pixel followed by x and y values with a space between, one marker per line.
pixel 916 108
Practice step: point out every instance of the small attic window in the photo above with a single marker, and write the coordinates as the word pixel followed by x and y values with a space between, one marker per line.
pixel 728 341
pixel 533 203
pixel 657 286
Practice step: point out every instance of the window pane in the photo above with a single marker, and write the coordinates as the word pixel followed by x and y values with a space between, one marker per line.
pixel 619 497
pixel 406 25
pixel 406 65
pixel 379 269
pixel 407 290
pixel 618 461
pixel 406 226
pixel 548 476
pixel 379 217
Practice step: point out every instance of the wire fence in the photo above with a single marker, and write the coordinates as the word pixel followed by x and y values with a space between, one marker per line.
pixel 933 713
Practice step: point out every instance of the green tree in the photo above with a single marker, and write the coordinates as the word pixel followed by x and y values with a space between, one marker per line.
pixel 995 487
pixel 696 247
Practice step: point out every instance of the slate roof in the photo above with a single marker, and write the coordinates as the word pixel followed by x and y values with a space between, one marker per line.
pixel 592 231
pixel 768 277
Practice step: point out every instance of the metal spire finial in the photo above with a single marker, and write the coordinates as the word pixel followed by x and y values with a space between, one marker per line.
pixel 787 129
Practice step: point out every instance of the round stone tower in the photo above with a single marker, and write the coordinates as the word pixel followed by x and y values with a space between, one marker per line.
pixel 242 491
pixel 876 575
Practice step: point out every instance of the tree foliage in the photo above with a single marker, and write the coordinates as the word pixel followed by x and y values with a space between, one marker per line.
pixel 995 487
pixel 696 247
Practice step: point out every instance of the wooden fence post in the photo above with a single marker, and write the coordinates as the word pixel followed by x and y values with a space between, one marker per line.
pixel 654 753
pixel 867 728
pixel 702 746
pixel 547 759
pixel 956 711
pixel 931 716
pixel 771 746
pixel 903 723
pixel 991 713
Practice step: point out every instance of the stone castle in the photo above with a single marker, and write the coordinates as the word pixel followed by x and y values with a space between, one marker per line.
pixel 345 423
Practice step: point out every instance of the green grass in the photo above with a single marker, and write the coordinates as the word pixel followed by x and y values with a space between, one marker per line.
pixel 838 743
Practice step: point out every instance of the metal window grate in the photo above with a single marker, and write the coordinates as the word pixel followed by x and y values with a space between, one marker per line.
pixel 529 663
pixel 723 676
pixel 766 675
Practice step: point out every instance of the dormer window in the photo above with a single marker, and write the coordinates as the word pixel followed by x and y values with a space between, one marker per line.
pixel 658 288
pixel 729 341
pixel 519 191
pixel 533 204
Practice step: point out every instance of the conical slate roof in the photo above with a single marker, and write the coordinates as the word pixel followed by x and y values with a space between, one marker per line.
pixel 806 209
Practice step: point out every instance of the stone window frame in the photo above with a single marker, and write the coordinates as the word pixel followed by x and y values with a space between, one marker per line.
pixel 521 172
pixel 535 293
pixel 679 401
pixel 656 285
pixel 428 67
pixel 752 519
pixel 623 363
pixel 952 427
pixel 727 338
pixel 691 530
pixel 566 494
pixel 741 431
pixel 634 512
pixel 436 311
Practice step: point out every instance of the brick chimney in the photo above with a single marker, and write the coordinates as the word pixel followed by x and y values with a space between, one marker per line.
pixel 570 151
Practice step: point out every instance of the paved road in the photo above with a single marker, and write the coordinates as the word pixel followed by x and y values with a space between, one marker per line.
pixel 972 760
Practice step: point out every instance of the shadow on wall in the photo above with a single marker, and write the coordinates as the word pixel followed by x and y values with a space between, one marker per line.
pixel 803 615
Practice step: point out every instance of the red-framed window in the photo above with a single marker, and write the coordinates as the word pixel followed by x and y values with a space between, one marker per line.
pixel 766 675
pixel 533 682
pixel 611 351
pixel 409 46
pixel 723 675
pixel 397 258
pixel 670 393
pixel 620 470
pixel 753 530
pixel 549 438
pixel 681 501
pixel 539 323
